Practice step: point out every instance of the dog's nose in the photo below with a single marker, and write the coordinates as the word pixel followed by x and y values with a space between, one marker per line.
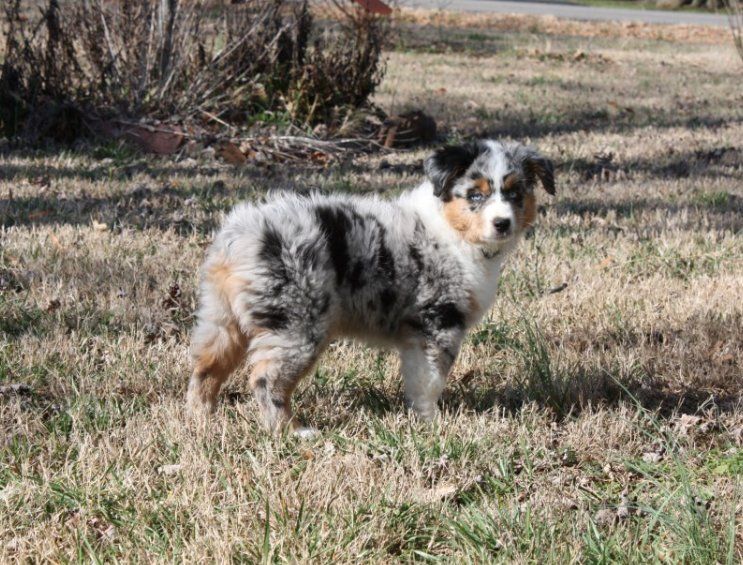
pixel 502 225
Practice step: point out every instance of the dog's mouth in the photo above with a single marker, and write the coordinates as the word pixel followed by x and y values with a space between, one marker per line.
pixel 497 239
pixel 495 244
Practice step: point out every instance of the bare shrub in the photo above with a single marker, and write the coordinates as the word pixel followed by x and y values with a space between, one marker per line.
pixel 165 58
pixel 344 66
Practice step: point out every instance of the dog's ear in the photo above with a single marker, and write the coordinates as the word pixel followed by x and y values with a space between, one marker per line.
pixel 538 167
pixel 448 164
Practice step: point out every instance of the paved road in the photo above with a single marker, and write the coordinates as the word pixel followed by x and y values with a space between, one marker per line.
pixel 571 11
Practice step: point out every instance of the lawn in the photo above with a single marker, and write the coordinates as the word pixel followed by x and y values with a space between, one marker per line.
pixel 595 415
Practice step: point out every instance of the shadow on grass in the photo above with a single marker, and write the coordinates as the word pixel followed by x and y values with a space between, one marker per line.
pixel 680 369
pixel 720 162
pixel 120 173
pixel 655 397
pixel 597 390
pixel 539 121
pixel 186 199
pixel 719 214
pixel 153 207
pixel 188 209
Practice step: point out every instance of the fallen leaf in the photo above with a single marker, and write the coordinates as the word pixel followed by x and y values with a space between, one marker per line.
pixel 231 154
pixel 686 422
pixel 159 141
pixel 320 157
pixel 73 518
pixel 38 214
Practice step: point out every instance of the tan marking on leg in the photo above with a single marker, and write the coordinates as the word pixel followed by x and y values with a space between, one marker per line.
pixel 214 360
pixel 462 219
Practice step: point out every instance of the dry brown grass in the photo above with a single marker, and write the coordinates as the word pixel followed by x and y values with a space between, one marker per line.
pixel 628 381
pixel 551 25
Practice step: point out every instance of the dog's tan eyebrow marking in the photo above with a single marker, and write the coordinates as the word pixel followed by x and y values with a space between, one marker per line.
pixel 511 181
pixel 483 185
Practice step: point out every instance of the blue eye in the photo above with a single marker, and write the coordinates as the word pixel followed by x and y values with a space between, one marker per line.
pixel 513 196
pixel 475 196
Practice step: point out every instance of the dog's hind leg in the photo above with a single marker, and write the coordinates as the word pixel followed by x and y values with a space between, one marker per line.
pixel 217 351
pixel 279 364
pixel 218 345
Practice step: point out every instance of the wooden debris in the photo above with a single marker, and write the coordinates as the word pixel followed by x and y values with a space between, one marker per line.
pixel 407 129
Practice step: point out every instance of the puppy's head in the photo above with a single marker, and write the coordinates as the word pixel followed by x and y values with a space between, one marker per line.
pixel 487 188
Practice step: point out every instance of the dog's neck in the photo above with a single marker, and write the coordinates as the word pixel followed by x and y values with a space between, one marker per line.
pixel 486 272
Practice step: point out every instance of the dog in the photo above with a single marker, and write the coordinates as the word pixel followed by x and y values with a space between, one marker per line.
pixel 285 277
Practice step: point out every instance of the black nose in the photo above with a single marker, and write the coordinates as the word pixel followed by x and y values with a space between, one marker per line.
pixel 502 225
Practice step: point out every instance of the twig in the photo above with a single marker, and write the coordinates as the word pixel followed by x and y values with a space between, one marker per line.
pixel 217 119
pixel 335 145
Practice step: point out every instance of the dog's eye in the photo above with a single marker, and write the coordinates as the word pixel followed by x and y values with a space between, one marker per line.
pixel 475 196
pixel 514 196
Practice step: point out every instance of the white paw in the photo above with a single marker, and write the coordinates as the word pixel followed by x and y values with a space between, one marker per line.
pixel 306 433
pixel 427 413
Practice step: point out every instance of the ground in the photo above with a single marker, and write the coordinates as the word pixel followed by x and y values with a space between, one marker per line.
pixel 595 414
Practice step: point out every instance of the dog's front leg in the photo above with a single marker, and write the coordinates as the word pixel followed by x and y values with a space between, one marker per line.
pixel 425 366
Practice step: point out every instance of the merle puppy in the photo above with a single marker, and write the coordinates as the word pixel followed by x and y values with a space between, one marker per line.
pixel 286 277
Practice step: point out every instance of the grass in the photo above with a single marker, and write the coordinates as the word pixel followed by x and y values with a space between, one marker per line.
pixel 600 422
pixel 634 5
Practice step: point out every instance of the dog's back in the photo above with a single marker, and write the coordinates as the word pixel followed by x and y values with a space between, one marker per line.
pixel 319 265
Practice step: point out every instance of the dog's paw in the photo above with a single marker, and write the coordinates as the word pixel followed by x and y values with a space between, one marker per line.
pixel 306 433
